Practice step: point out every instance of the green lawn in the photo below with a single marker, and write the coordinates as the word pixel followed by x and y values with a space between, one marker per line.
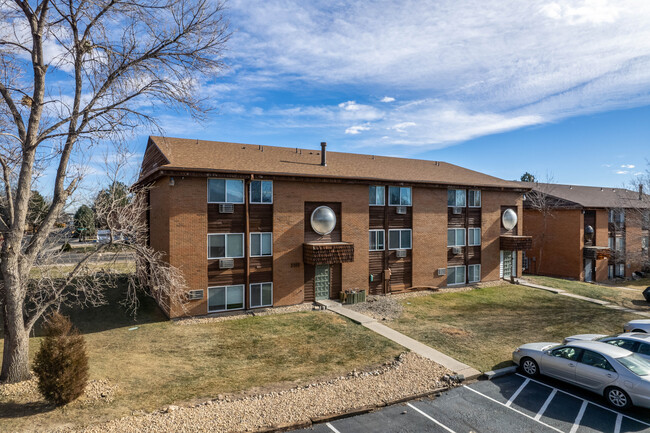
pixel 482 327
pixel 161 363
pixel 627 294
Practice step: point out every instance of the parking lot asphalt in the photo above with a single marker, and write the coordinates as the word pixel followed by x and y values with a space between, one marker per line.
pixel 509 404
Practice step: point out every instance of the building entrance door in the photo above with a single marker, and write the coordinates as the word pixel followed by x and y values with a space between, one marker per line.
pixel 588 270
pixel 507 264
pixel 322 282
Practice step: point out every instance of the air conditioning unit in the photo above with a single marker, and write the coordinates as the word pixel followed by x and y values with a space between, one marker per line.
pixel 401 210
pixel 442 271
pixel 194 295
pixel 456 250
pixel 226 208
pixel 457 210
pixel 400 253
pixel 226 263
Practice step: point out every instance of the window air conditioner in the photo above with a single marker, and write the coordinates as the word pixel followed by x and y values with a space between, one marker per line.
pixel 400 253
pixel 226 208
pixel 401 210
pixel 457 210
pixel 226 263
pixel 456 250
pixel 194 295
pixel 442 271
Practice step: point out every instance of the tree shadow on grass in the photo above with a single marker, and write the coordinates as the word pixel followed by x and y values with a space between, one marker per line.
pixel 14 409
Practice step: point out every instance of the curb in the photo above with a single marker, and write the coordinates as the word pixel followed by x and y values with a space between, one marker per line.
pixel 489 375
pixel 350 413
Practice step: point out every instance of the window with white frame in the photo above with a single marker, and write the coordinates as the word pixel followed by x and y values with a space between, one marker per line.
pixel 399 239
pixel 456 237
pixel 261 192
pixel 610 272
pixel 225 298
pixel 377 196
pixel 399 196
pixel 474 198
pixel 620 245
pixel 377 240
pixel 261 244
pixel 474 236
pixel 474 273
pixel 645 242
pixel 611 216
pixel 611 243
pixel 261 295
pixel 225 191
pixel 456 198
pixel 621 216
pixel 225 245
pixel 455 275
pixel 620 270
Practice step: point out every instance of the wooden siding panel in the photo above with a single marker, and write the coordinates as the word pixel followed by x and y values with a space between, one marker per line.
pixel 400 221
pixel 261 217
pixel 376 217
pixel 261 264
pixel 335 281
pixel 152 159
pixel 261 277
pixel 401 271
pixel 310 295
pixel 226 277
pixel 376 268
pixel 226 222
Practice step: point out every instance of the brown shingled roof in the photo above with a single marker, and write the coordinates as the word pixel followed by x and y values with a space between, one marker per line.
pixel 199 155
pixel 594 196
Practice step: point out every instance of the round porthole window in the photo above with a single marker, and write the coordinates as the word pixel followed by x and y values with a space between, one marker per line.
pixel 509 219
pixel 323 220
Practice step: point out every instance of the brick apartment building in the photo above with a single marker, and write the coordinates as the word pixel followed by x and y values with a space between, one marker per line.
pixel 587 233
pixel 258 226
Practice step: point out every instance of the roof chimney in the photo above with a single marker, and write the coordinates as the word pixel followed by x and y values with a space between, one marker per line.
pixel 640 191
pixel 323 153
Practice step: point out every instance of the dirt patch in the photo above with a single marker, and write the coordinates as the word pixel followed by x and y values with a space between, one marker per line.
pixel 455 332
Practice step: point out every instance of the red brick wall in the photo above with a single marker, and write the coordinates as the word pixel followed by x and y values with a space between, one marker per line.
pixel 491 202
pixel 288 234
pixel 558 252
pixel 429 236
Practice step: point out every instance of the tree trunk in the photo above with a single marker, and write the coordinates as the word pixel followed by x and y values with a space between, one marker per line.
pixel 15 358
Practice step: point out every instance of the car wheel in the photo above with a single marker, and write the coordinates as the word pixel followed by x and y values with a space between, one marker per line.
pixel 529 367
pixel 618 398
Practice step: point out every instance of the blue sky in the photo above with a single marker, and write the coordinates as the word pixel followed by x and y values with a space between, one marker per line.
pixel 557 88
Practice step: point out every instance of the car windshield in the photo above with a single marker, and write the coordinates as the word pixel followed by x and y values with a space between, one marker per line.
pixel 635 364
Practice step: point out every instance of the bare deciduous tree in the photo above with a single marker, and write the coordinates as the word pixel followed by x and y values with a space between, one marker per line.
pixel 74 73
pixel 540 199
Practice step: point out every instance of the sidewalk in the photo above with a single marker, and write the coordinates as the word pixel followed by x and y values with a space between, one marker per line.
pixel 401 339
pixel 582 298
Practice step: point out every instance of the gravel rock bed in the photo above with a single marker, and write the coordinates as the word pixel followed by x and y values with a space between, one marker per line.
pixel 409 375
pixel 96 391
pixel 222 317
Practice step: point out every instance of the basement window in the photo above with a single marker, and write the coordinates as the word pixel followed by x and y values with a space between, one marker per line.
pixel 261 192
pixel 226 191
pixel 399 239
pixel 456 237
pixel 261 295
pixel 399 196
pixel 455 275
pixel 225 298
pixel 225 245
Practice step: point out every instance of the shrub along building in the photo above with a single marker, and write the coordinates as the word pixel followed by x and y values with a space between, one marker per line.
pixel 586 233
pixel 258 226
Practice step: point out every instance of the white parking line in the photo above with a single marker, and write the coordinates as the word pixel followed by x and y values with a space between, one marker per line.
pixel 581 413
pixel 590 402
pixel 332 427
pixel 430 418
pixel 523 385
pixel 545 405
pixel 512 409
pixel 619 421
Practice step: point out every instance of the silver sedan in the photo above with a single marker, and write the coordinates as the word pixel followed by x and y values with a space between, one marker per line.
pixel 641 325
pixel 637 342
pixel 619 375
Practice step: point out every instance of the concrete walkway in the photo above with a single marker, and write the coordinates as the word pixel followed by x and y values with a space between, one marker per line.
pixel 582 298
pixel 401 339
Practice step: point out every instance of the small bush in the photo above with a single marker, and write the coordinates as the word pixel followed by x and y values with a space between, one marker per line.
pixel 66 247
pixel 61 364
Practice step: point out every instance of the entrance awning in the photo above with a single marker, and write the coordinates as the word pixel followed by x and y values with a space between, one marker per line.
pixel 515 243
pixel 327 253
pixel 595 253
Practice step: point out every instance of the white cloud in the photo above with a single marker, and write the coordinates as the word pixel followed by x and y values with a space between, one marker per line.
pixel 483 66
pixel 401 127
pixel 354 130
pixel 627 166
pixel 622 172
